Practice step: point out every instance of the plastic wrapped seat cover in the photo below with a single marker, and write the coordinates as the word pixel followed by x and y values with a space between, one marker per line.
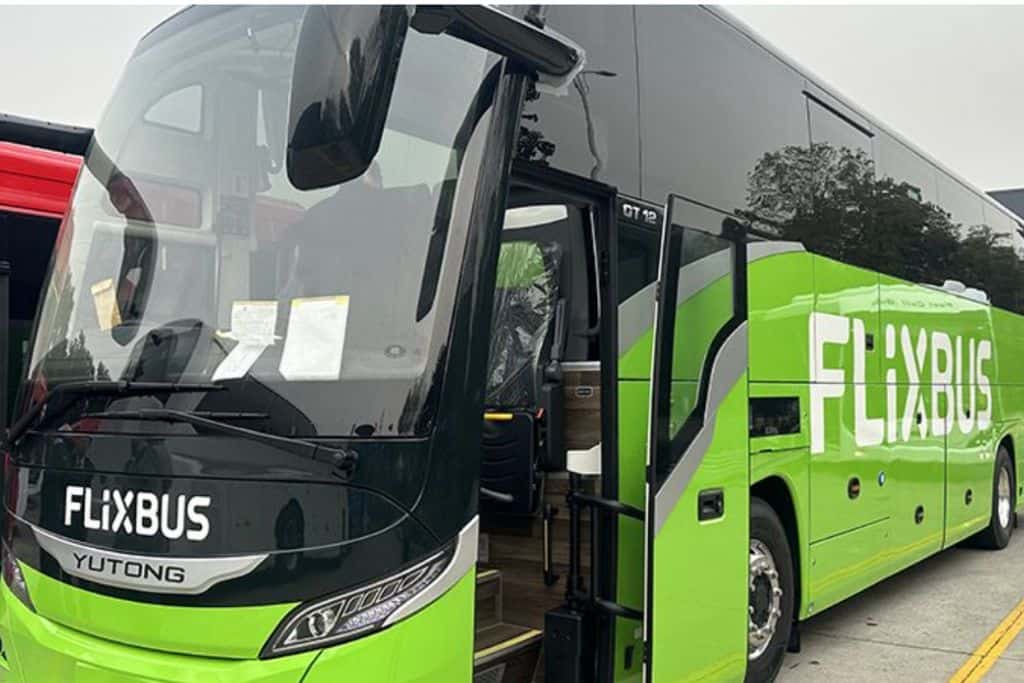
pixel 525 297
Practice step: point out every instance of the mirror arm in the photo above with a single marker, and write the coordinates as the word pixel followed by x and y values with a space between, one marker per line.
pixel 554 58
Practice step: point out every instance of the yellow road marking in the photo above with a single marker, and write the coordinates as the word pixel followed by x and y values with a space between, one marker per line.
pixel 987 654
pixel 477 656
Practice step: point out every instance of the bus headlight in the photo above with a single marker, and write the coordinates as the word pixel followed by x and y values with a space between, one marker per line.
pixel 354 613
pixel 14 579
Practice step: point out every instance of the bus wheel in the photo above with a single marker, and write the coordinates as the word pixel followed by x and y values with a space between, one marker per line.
pixel 770 581
pixel 1000 527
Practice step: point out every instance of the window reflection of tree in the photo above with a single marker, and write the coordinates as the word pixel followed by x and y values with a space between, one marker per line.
pixel 70 360
pixel 830 199
pixel 531 144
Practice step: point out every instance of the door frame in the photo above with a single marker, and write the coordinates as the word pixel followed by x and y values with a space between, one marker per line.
pixel 601 198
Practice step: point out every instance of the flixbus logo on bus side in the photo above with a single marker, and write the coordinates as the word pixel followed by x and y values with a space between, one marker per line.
pixel 958 391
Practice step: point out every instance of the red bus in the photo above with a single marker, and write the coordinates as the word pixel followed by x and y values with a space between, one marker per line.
pixel 36 179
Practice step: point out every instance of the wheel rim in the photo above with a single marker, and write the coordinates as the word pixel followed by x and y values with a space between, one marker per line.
pixel 765 606
pixel 1004 503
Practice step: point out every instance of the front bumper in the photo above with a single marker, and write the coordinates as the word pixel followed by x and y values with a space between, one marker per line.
pixel 434 645
pixel 41 651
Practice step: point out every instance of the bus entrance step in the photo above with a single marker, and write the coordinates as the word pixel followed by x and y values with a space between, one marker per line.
pixel 488 599
pixel 506 653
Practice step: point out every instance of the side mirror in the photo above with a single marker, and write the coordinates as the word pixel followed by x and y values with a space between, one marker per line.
pixel 346 62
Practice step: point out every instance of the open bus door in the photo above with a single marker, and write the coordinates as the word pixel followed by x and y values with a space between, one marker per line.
pixel 698 473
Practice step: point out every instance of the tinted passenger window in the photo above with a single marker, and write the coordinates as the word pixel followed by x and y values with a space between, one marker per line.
pixel 840 221
pixel 1002 224
pixel 934 230
pixel 969 261
pixel 591 130
pixel 915 237
pixel 714 106
pixel 830 127
pixel 905 167
pixel 820 193
pixel 1006 269
pixel 962 204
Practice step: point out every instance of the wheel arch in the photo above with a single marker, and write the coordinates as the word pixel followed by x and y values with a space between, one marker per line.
pixel 1007 441
pixel 775 491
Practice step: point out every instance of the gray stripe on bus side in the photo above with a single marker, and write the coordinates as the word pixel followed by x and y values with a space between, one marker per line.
pixel 464 560
pixel 729 365
pixel 636 314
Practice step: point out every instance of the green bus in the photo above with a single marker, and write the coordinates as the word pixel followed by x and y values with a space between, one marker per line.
pixel 396 344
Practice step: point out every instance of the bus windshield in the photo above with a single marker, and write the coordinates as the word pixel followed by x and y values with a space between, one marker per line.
pixel 189 256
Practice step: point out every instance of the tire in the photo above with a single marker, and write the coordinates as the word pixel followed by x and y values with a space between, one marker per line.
pixel 997 534
pixel 769 549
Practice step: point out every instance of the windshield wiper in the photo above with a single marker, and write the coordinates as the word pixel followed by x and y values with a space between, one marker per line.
pixel 60 398
pixel 342 461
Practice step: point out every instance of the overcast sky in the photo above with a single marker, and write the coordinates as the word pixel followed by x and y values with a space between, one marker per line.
pixel 61 63
pixel 948 78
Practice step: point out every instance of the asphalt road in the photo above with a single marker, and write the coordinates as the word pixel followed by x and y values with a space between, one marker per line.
pixel 923 624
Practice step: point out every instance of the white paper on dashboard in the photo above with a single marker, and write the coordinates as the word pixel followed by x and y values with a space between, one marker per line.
pixel 105 300
pixel 253 322
pixel 239 361
pixel 316 338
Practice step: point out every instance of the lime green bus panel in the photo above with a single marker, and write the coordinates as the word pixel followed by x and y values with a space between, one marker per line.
pixel 634 397
pixel 39 650
pixel 916 478
pixel 236 632
pixel 849 483
pixel 840 289
pixel 433 645
pixel 931 473
pixel 778 314
pixel 968 468
pixel 700 568
pixel 846 564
